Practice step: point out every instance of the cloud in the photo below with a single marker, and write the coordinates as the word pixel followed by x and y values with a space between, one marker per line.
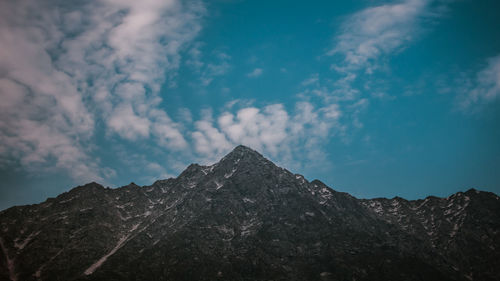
pixel 213 70
pixel 208 71
pixel 288 137
pixel 68 69
pixel 365 42
pixel 369 38
pixel 262 129
pixel 377 31
pixel 255 73
pixel 311 80
pixel 127 123
pixel 484 88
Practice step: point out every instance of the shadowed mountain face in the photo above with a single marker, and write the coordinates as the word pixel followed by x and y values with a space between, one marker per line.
pixel 244 218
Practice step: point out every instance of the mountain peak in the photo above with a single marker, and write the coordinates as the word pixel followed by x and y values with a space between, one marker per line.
pixel 241 149
pixel 243 152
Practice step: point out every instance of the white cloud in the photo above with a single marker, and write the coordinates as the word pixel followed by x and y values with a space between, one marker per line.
pixel 66 68
pixel 368 38
pixel 255 73
pixel 287 137
pixel 209 141
pixel 261 129
pixel 168 133
pixel 377 31
pixel 485 88
pixel 195 57
pixel 364 43
pixel 127 123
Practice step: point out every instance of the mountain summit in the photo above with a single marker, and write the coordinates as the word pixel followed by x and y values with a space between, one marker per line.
pixel 244 218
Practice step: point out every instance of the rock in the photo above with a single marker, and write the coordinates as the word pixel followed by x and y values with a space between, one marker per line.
pixel 244 218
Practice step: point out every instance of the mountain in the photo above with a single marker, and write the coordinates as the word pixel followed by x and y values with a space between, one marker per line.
pixel 244 218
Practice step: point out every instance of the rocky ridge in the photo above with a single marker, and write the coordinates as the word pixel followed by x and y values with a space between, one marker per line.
pixel 244 218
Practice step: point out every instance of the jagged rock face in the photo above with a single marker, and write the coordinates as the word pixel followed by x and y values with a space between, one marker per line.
pixel 244 218
pixel 463 227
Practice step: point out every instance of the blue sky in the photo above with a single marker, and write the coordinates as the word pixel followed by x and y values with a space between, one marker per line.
pixel 375 98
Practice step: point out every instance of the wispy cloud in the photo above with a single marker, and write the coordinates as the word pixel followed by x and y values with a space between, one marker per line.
pixel 369 38
pixel 311 80
pixel 363 46
pixel 376 32
pixel 255 73
pixel 484 88
pixel 218 65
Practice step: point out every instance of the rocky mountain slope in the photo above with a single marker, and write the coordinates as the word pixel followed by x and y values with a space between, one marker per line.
pixel 244 218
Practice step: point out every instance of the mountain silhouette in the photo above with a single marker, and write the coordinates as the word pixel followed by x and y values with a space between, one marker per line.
pixel 244 218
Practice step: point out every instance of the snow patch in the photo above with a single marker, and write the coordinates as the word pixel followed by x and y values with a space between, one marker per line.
pixel 325 195
pixel 422 204
pixel 228 175
pixel 456 227
pixel 218 185
pixel 204 170
pixel 38 273
pixel 134 227
pixel 68 200
pixel 25 242
pixel 225 229
pixel 376 207
pixel 247 226
pixel 124 218
pixel 301 178
pixel 248 200
pixel 118 245
pixel 10 262
pixel 98 264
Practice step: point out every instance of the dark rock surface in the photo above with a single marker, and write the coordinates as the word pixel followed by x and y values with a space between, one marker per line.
pixel 244 218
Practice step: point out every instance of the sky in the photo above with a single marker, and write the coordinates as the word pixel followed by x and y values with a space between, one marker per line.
pixel 374 98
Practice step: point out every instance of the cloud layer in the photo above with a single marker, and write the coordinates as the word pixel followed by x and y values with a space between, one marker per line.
pixel 64 68
pixel 68 71
pixel 71 72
